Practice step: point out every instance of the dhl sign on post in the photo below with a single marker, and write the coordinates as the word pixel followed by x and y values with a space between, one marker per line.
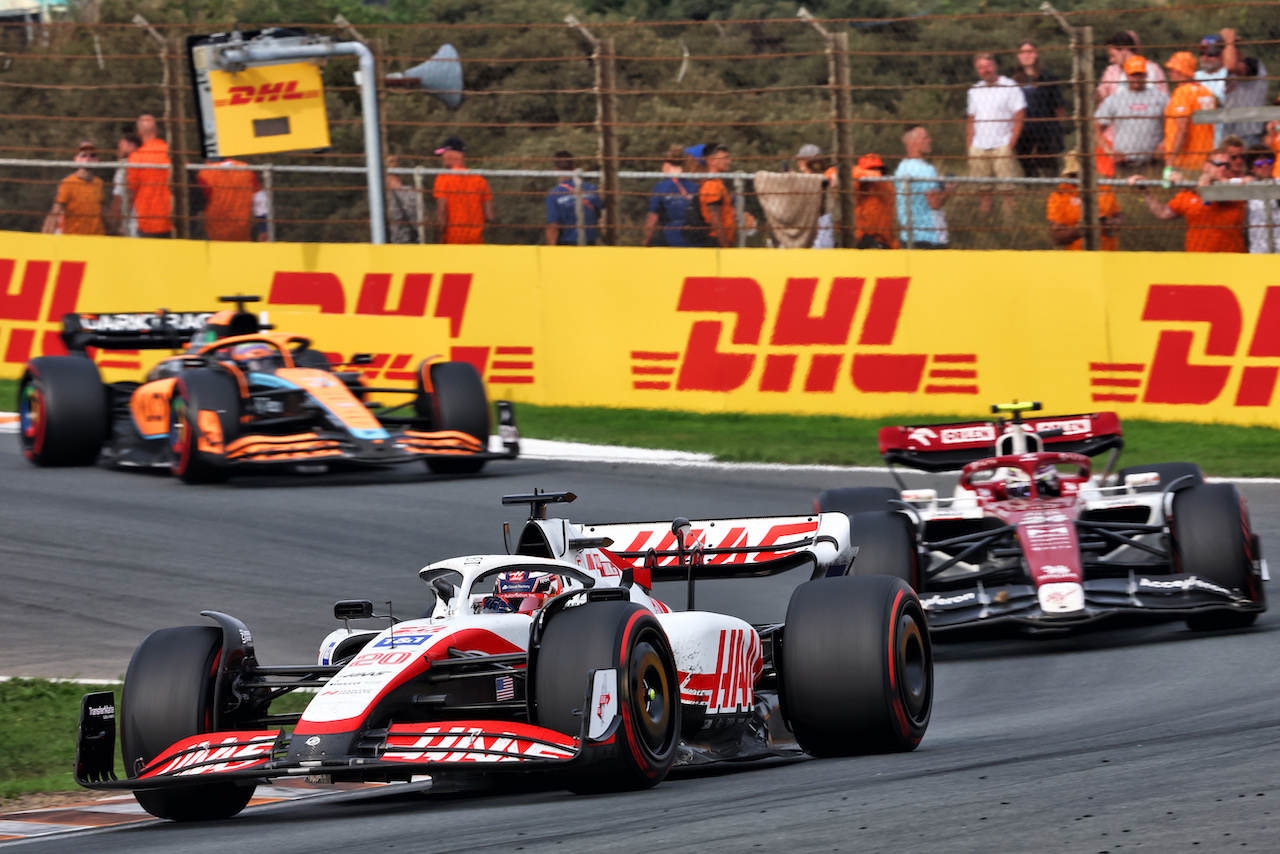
pixel 1174 337
pixel 269 108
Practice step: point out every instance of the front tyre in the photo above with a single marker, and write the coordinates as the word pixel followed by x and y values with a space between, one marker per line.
pixel 1213 540
pixel 168 696
pixel 204 416
pixel 63 411
pixel 458 402
pixel 856 666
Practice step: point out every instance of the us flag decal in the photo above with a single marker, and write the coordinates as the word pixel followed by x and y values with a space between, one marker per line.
pixel 506 688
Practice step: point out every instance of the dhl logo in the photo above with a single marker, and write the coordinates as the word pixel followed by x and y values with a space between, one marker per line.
pixel 1172 377
pixel 32 309
pixel 825 337
pixel 284 90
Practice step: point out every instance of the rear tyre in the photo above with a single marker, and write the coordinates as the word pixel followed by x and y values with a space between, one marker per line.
pixel 856 666
pixel 625 636
pixel 168 695
pixel 886 546
pixel 1169 472
pixel 459 402
pixel 191 459
pixel 856 499
pixel 1212 540
pixel 64 411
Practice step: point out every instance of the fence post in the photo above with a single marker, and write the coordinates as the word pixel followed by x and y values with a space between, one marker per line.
pixel 609 185
pixel 843 110
pixel 911 209
pixel 419 204
pixel 1088 162
pixel 267 184
pixel 176 107
pixel 579 215
pixel 740 209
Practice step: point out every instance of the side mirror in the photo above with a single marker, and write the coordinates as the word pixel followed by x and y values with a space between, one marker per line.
pixel 353 609
pixel 443 588
pixel 361 359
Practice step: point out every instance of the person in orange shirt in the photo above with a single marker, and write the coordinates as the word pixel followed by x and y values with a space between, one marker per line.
pixel 463 201
pixel 149 188
pixel 1186 144
pixel 715 199
pixel 1064 212
pixel 77 209
pixel 228 199
pixel 1211 226
pixel 875 208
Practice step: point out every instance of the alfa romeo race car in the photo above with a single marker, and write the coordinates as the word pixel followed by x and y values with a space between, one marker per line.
pixel 240 396
pixel 1033 537
pixel 554 657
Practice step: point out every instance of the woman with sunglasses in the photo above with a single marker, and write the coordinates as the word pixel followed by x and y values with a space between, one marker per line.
pixel 1264 214
pixel 1211 226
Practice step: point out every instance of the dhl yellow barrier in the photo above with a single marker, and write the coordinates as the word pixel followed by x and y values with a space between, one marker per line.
pixel 1160 335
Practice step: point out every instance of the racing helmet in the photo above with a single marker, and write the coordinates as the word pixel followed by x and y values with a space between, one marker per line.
pixel 1017 484
pixel 254 355
pixel 1047 483
pixel 521 592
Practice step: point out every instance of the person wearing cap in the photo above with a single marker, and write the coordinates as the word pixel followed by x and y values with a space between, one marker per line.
pixel 149 192
pixel 809 161
pixel 562 207
pixel 924 223
pixel 994 112
pixel 1121 47
pixel 77 208
pixel 805 157
pixel 463 201
pixel 1065 212
pixel 1132 115
pixel 1041 140
pixel 669 202
pixel 1211 226
pixel 1185 144
pixel 1243 81
pixel 1263 221
pixel 875 206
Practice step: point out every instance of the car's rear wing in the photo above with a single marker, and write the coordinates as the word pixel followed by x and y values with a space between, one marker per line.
pixel 135 330
pixel 948 447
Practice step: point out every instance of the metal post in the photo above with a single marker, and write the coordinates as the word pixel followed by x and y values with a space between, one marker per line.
pixel 176 107
pixel 267 187
pixel 739 208
pixel 911 209
pixel 579 211
pixel 419 201
pixel 609 186
pixel 844 135
pixel 1089 199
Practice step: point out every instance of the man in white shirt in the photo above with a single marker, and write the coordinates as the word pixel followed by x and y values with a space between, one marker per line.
pixel 996 107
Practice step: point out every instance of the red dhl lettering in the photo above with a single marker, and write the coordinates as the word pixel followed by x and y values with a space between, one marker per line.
pixel 284 90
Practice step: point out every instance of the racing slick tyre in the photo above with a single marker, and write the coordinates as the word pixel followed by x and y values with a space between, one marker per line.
pixel 886 546
pixel 856 666
pixel 458 402
pixel 604 635
pixel 168 695
pixel 64 411
pixel 1169 472
pixel 1213 541
pixel 856 499
pixel 197 391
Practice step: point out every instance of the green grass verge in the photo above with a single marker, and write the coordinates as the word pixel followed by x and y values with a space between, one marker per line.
pixel 1222 450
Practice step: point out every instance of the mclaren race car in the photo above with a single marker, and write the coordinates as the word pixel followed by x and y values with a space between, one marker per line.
pixel 1033 536
pixel 237 395
pixel 554 658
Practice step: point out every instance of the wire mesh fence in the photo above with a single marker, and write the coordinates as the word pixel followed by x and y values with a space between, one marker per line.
pixel 763 88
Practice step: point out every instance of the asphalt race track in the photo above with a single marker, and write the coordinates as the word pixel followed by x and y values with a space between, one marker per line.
pixel 1140 739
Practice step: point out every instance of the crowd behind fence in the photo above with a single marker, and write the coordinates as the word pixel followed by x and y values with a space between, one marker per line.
pixel 765 89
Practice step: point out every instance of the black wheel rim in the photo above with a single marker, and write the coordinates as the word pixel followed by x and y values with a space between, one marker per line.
pixel 32 418
pixel 913 661
pixel 650 698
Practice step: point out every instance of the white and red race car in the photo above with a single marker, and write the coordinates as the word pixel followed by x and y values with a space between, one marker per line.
pixel 553 657
pixel 1033 537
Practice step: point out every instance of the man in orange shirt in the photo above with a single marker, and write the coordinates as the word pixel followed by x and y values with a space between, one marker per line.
pixel 875 206
pixel 1211 226
pixel 228 200
pixel 149 188
pixel 77 209
pixel 463 201
pixel 1186 144
pixel 715 199
pixel 1064 212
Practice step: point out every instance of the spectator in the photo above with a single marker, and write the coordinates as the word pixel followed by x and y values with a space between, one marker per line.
pixel 1272 141
pixel 1041 140
pixel 149 188
pixel 1130 120
pixel 714 198
pixel 77 208
pixel 120 218
pixel 1122 47
pixel 1186 144
pixel 1234 146
pixel 919 203
pixel 463 201
pixel 403 216
pixel 669 202
pixel 875 208
pixel 562 208
pixel 1211 226
pixel 1064 212
pixel 1212 73
pixel 805 158
pixel 1264 214
pixel 994 112
pixel 228 199
pixel 1246 87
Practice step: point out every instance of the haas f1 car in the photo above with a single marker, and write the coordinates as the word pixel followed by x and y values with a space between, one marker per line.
pixel 553 658
pixel 1032 536
pixel 240 396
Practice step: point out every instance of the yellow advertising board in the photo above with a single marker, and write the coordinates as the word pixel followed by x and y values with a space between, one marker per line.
pixel 1152 335
pixel 269 108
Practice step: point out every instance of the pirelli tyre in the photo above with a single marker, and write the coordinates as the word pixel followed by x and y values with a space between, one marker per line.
pixel 856 666
pixel 886 546
pixel 204 417
pixel 168 696
pixel 457 401
pixel 611 635
pixel 1168 472
pixel 856 499
pixel 1213 541
pixel 64 411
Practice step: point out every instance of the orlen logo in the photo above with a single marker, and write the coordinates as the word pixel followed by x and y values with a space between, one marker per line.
pixel 267 93
pixel 803 351
pixel 1172 377
pixel 977 433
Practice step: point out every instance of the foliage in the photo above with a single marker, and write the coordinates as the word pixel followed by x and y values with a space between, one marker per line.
pixel 38 739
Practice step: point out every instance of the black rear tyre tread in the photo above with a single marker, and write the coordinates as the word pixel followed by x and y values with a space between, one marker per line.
pixel 77 411
pixel 1212 540
pixel 886 546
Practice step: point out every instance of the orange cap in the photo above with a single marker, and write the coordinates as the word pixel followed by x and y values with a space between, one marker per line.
pixel 1135 65
pixel 1183 63
pixel 870 161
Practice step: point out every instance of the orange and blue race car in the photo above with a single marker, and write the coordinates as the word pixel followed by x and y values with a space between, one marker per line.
pixel 237 395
